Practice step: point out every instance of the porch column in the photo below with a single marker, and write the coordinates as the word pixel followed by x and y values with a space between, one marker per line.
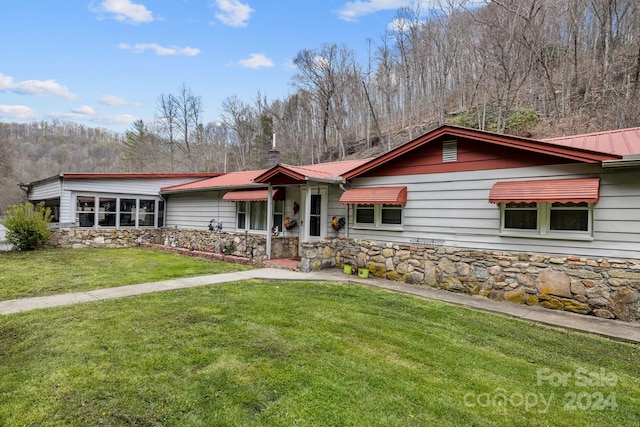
pixel 269 219
pixel 307 213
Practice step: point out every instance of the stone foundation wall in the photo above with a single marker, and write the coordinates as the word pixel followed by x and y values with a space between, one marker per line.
pixel 607 288
pixel 230 244
pixel 234 244
pixel 101 238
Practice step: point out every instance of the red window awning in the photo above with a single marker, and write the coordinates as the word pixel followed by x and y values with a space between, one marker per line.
pixel 375 196
pixel 550 191
pixel 252 195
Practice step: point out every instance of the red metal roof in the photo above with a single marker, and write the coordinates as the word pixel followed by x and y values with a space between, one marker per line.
pixel 229 180
pixel 252 195
pixel 138 175
pixel 551 191
pixel 620 142
pixel 375 196
pixel 319 171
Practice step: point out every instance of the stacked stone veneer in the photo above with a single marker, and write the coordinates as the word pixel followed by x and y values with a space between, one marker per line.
pixel 607 288
pixel 234 244
pixel 102 238
pixel 230 244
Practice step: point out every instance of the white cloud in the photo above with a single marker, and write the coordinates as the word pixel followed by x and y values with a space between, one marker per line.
pixel 82 114
pixel 400 25
pixel 160 50
pixel 35 87
pixel 256 60
pixel 17 112
pixel 352 10
pixel 112 100
pixel 84 109
pixel 125 11
pixel 233 13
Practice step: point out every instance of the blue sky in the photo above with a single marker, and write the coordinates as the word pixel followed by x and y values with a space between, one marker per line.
pixel 104 63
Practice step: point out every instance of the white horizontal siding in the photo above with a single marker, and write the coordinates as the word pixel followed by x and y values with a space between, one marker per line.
pixel 453 207
pixel 46 190
pixel 67 208
pixel 196 210
pixel 136 186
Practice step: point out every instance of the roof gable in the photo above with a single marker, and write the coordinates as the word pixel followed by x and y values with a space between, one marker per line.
pixel 554 153
pixel 288 174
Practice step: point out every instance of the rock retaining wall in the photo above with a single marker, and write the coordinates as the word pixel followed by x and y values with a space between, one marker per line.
pixel 100 238
pixel 251 246
pixel 607 288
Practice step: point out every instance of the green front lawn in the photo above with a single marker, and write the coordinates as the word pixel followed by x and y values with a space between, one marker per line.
pixel 56 271
pixel 307 354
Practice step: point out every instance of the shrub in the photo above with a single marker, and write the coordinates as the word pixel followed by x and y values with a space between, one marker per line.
pixel 28 225
pixel 521 120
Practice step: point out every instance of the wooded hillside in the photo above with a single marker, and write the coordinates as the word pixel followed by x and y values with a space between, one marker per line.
pixel 536 68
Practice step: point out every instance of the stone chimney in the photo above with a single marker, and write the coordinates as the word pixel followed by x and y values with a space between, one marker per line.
pixel 273 156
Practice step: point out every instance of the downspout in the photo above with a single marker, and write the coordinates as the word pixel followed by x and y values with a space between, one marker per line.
pixel 346 218
pixel 164 214
pixel 25 187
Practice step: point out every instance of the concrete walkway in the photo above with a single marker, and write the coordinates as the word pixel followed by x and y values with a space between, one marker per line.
pixel 614 329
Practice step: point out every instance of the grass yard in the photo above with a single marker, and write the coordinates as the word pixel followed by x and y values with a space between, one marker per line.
pixel 55 271
pixel 305 354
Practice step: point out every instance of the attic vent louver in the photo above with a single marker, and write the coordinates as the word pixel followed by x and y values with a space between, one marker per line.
pixel 449 151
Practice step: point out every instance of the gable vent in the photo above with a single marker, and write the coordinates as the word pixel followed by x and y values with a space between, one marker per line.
pixel 449 151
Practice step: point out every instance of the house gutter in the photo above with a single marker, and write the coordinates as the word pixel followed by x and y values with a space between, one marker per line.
pixel 325 180
pixel 628 161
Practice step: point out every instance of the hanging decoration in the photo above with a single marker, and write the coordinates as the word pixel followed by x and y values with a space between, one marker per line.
pixel 289 223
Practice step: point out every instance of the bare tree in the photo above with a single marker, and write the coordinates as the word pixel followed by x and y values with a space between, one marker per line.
pixel 239 117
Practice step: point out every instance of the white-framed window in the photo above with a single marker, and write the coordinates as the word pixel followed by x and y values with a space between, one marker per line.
pixel 278 214
pixel 382 216
pixel 252 215
pixel 111 211
pixel 551 220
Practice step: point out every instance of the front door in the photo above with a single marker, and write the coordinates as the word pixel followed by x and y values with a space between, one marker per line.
pixel 315 215
pixel 314 211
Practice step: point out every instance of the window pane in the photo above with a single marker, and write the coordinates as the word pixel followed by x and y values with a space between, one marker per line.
pixel 570 205
pixel 314 226
pixel 242 221
pixel 258 215
pixel 277 221
pixel 146 213
pixel 85 211
pixel 392 215
pixel 521 216
pixel 107 212
pixel 573 220
pixel 521 219
pixel 315 215
pixel 315 204
pixel 365 214
pixel 127 212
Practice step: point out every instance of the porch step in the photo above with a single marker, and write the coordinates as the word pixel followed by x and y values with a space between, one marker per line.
pixel 284 263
